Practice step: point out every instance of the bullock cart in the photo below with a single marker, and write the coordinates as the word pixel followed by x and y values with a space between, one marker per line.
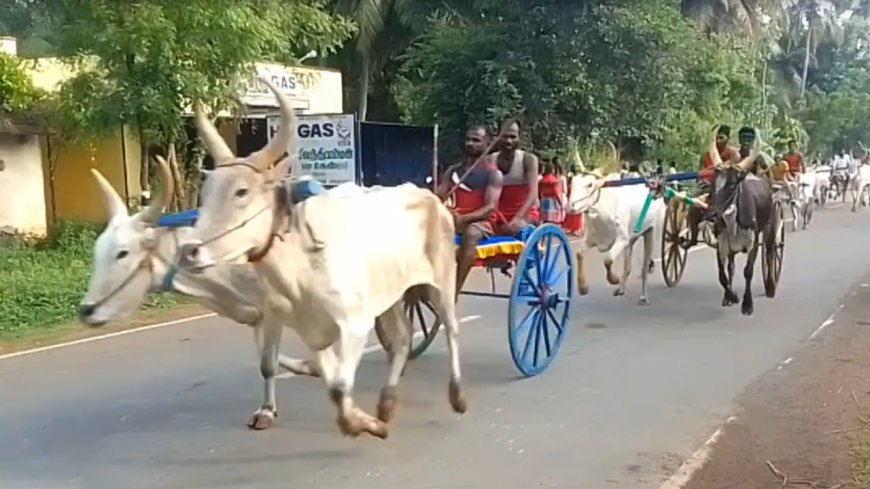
pixel 675 232
pixel 538 302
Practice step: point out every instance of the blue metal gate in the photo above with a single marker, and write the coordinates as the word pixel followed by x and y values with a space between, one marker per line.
pixel 393 154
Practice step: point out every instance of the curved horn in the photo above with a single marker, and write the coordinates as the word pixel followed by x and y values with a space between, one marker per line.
pixel 614 151
pixel 152 212
pixel 210 136
pixel 577 159
pixel 284 140
pixel 713 151
pixel 746 163
pixel 114 204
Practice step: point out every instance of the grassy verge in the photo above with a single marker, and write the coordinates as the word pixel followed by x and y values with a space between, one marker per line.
pixel 861 458
pixel 43 281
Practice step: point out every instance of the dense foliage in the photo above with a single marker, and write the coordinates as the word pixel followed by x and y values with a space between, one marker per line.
pixel 43 282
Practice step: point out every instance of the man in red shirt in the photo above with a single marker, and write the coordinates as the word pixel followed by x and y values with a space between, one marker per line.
pixel 705 179
pixel 475 199
pixel 518 205
pixel 794 159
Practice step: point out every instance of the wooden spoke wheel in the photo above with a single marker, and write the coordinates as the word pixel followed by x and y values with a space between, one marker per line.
pixel 674 253
pixel 774 250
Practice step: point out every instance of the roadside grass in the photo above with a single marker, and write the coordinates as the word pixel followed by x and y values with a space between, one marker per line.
pixel 42 282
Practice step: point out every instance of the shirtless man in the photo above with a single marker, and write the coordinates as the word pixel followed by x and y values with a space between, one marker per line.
pixel 794 159
pixel 476 199
pixel 518 205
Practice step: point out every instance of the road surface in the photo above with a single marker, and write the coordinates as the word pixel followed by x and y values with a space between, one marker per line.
pixel 634 391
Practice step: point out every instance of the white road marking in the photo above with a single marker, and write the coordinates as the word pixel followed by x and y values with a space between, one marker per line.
pixel 378 346
pixel 694 463
pixel 784 363
pixel 822 327
pixel 105 336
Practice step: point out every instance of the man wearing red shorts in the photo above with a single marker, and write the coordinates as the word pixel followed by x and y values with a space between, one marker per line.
pixel 518 205
pixel 476 199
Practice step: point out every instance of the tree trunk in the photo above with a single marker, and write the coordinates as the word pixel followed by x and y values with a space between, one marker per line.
pixel 365 78
pixel 806 63
pixel 179 200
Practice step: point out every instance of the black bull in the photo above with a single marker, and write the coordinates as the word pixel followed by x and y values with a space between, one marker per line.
pixel 742 210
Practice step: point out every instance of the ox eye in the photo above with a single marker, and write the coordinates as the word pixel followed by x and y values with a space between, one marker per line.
pixel 241 192
pixel 122 254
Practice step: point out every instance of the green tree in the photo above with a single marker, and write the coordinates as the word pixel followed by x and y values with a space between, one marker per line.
pixel 145 63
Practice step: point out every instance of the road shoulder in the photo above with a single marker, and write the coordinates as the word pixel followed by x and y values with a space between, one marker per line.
pixel 806 423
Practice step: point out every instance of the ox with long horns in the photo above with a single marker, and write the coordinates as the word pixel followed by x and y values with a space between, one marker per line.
pixel 609 217
pixel 132 258
pixel 331 265
pixel 742 209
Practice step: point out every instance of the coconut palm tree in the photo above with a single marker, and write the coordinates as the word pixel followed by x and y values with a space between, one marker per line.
pixel 721 16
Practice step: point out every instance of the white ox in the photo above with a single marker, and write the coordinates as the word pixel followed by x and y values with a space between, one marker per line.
pixel 609 218
pixel 331 265
pixel 859 185
pixel 805 195
pixel 132 257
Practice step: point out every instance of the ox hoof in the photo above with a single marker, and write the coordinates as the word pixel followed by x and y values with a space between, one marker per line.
pixel 747 308
pixel 582 289
pixel 643 301
pixel 612 279
pixel 457 398
pixel 263 418
pixel 618 292
pixel 387 404
pixel 357 422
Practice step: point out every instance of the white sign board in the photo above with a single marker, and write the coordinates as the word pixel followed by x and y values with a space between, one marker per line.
pixel 326 147
pixel 284 78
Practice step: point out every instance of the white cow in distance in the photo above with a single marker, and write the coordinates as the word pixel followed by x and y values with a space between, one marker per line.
pixel 330 266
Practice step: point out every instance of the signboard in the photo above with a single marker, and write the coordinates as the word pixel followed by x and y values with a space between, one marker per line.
pixel 289 81
pixel 326 146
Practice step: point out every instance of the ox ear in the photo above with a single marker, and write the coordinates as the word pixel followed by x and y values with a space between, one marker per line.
pixel 114 204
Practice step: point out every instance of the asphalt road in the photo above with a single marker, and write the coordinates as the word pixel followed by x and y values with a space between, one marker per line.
pixel 634 391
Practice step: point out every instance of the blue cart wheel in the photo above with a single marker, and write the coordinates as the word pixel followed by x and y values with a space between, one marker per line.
pixel 540 299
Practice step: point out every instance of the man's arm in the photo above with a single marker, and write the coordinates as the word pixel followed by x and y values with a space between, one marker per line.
pixel 803 165
pixel 530 163
pixel 490 200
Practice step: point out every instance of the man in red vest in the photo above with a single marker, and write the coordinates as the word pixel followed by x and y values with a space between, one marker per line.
pixel 705 179
pixel 794 159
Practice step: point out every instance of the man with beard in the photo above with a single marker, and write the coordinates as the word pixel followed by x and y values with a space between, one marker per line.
pixel 475 200
pixel 518 205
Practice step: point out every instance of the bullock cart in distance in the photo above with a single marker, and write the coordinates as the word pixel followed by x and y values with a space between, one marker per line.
pixel 539 300
pixel 675 232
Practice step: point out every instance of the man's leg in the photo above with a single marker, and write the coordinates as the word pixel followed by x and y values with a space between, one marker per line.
pixel 467 253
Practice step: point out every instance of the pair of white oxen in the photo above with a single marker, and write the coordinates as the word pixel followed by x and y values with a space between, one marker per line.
pixel 331 267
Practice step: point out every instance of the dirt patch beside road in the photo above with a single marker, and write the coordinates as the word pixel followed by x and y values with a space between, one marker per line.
pixel 806 423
